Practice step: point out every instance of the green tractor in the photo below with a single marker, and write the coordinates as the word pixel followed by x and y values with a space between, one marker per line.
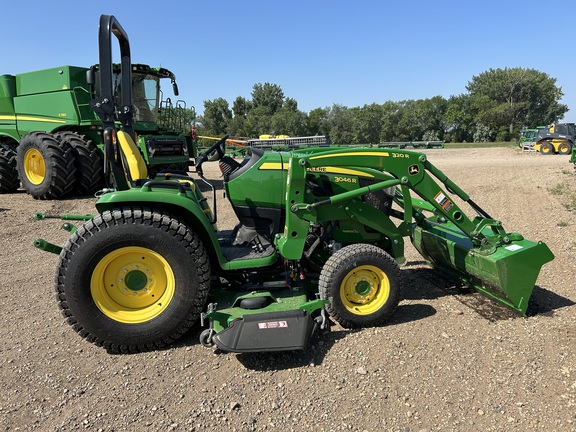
pixel 51 140
pixel 322 241
pixel 529 135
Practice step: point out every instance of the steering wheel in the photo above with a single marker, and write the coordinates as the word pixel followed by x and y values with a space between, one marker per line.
pixel 214 153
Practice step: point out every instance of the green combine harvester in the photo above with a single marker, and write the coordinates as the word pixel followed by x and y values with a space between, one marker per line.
pixel 322 241
pixel 51 140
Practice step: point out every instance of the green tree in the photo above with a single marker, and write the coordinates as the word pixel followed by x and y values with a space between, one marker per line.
pixel 290 104
pixel 288 122
pixel 430 120
pixel 216 116
pixel 509 98
pixel 237 127
pixel 241 107
pixel 341 122
pixel 238 124
pixel 258 121
pixel 391 114
pixel 368 122
pixel 268 95
pixel 407 127
pixel 459 119
pixel 318 122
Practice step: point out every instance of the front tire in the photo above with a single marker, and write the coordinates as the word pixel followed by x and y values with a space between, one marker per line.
pixel 363 285
pixel 132 280
pixel 547 149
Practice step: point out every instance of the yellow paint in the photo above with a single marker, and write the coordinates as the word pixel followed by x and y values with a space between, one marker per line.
pixel 365 290
pixel 327 169
pixel 114 297
pixel 363 153
pixel 28 118
pixel 34 166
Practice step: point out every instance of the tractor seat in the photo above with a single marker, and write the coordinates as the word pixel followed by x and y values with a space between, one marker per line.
pixel 135 167
pixel 134 164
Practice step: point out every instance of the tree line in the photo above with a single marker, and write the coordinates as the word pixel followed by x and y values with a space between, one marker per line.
pixel 498 103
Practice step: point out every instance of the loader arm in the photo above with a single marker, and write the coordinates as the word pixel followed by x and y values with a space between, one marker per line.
pixel 477 251
pixel 410 171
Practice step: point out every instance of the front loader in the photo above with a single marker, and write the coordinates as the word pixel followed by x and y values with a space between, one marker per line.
pixel 320 236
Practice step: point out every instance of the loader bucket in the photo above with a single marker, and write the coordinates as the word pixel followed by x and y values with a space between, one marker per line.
pixel 506 274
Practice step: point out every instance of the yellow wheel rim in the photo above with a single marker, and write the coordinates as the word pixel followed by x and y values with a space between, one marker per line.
pixel 34 166
pixel 365 290
pixel 132 285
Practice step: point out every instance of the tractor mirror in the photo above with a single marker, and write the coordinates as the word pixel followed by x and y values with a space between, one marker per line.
pixel 90 77
pixel 175 88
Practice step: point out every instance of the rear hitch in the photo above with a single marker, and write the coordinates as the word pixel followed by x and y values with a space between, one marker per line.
pixel 45 245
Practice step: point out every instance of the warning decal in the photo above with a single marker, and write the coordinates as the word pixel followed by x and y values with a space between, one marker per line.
pixel 444 202
pixel 272 325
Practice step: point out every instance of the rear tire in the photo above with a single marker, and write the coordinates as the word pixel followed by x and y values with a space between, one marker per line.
pixel 132 280
pixel 88 162
pixel 45 166
pixel 9 181
pixel 565 148
pixel 363 285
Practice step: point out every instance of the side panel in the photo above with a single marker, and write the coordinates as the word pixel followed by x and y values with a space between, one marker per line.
pixel 51 80
pixel 7 118
pixel 52 98
pixel 46 111
pixel 266 183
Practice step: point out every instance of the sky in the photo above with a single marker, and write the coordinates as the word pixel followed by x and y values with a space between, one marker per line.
pixel 320 53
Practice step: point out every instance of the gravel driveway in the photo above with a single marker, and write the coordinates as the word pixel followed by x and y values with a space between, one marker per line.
pixel 449 360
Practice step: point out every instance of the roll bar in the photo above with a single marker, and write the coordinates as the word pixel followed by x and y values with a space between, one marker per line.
pixel 103 106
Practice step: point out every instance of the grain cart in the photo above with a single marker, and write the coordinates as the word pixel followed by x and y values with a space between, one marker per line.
pixel 51 139
pixel 324 238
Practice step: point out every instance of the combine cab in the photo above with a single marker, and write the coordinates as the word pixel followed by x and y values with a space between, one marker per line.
pixel 320 235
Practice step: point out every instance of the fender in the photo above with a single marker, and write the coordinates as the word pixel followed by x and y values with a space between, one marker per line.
pixel 185 206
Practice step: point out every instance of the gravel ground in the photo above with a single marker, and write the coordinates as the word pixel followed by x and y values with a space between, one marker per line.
pixel 448 360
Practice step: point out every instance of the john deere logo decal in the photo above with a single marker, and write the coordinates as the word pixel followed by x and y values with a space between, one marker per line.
pixel 413 169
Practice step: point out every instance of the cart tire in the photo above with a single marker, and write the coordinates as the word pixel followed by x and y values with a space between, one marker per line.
pixel 9 181
pixel 132 280
pixel 363 285
pixel 45 166
pixel 88 162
